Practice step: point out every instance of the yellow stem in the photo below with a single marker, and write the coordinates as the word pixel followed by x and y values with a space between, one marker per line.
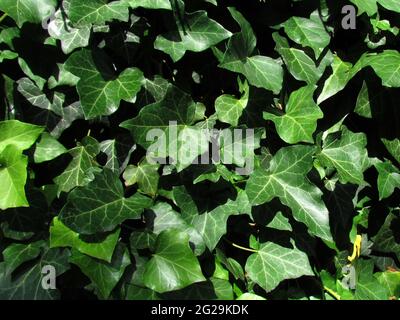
pixel 3 17
pixel 332 293
pixel 240 247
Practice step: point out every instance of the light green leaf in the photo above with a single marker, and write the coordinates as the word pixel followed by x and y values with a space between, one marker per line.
pixel 100 247
pixel 101 206
pixel 299 121
pixel 13 174
pixel 7 55
pixel 237 145
pixel 368 6
pixel 391 281
pixel 274 263
pixel 385 64
pixel 286 179
pixel 229 108
pixel 185 202
pixel 20 135
pixel 242 44
pixel 173 265
pixel 260 71
pixel 390 5
pixel 48 149
pixel 109 148
pixel 342 73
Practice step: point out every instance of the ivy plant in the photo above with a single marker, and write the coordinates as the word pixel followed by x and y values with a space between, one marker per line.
pixel 202 149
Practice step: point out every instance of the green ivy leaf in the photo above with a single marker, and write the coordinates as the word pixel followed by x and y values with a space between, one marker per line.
pixel 13 174
pixel 172 117
pixel 273 263
pixel 308 32
pixel 229 108
pixel 166 218
pixel 20 135
pixel 260 71
pixel 27 284
pixel 145 175
pixel 173 265
pixel 97 12
pixel 100 247
pixel 22 11
pixel 99 89
pixel 71 38
pixel 299 121
pixel 82 168
pixel 346 154
pixel 300 65
pixel 16 254
pixel 342 73
pixel 101 206
pixel 363 105
pixel 385 65
pixel 280 222
pixel 286 179
pixel 388 178
pixel 368 286
pixel 151 4
pixel 385 240
pixel 198 34
pixel 393 146
pixel 48 148
pixel 391 281
pixel 368 6
pixel 212 225
pixel 103 275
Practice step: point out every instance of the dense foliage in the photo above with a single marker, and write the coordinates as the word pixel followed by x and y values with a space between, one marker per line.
pixel 84 82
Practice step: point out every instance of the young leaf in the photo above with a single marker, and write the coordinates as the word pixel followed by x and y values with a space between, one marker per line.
pixel 299 121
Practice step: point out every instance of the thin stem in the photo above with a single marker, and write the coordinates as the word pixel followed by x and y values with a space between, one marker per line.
pixel 3 17
pixel 332 293
pixel 240 247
